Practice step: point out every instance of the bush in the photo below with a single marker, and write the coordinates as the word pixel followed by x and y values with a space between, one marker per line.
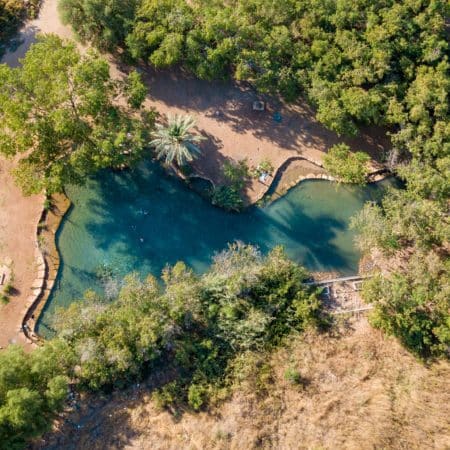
pixel 413 306
pixel 228 198
pixel 265 166
pixel 168 396
pixel 237 173
pixel 8 289
pixel 32 389
pixel 347 166
pixel 196 396
pixel 293 376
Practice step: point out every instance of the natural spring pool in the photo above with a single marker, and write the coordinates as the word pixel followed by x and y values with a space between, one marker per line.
pixel 142 219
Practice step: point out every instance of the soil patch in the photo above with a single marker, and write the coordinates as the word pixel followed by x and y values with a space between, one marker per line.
pixel 19 217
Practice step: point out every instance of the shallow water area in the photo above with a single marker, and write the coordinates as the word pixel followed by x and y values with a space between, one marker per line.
pixel 141 220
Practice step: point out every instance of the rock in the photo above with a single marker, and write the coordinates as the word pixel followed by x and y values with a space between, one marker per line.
pixel 41 273
pixel 38 284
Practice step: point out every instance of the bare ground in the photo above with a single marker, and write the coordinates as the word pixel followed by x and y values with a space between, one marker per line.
pixel 234 131
pixel 19 217
pixel 361 391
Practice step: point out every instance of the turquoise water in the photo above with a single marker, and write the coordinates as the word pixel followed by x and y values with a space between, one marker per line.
pixel 141 220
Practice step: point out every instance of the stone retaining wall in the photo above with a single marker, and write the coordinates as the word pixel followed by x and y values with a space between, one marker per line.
pixel 374 176
pixel 47 262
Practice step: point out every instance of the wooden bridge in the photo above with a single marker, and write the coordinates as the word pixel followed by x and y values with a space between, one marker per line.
pixel 341 295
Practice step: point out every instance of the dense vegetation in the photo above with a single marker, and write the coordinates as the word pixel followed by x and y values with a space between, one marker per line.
pixel 357 61
pixel 59 112
pixel 32 387
pixel 412 297
pixel 192 329
pixel 12 15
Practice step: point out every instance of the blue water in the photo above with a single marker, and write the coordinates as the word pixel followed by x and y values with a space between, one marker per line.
pixel 141 220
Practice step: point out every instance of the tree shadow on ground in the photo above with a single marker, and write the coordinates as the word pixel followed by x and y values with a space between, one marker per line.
pixel 231 103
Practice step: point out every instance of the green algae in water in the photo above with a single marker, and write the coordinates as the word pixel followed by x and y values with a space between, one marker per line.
pixel 141 220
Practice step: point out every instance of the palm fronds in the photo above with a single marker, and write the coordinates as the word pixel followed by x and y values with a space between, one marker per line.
pixel 175 142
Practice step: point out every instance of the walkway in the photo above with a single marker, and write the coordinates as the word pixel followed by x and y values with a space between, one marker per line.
pixel 342 295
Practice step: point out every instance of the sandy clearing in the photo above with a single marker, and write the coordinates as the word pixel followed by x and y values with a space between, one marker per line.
pixel 234 131
pixel 19 216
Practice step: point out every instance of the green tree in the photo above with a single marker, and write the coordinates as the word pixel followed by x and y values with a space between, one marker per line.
pixel 135 90
pixel 174 142
pixel 105 23
pixel 159 30
pixel 413 304
pixel 58 112
pixel 347 166
pixel 31 392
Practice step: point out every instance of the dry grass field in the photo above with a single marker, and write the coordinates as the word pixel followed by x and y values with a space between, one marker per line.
pixel 360 391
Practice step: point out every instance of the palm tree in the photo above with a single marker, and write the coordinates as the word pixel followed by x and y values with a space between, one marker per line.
pixel 174 143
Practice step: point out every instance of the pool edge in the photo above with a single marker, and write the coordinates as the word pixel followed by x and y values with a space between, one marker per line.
pixel 48 261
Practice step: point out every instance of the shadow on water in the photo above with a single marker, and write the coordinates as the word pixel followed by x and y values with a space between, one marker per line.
pixel 142 219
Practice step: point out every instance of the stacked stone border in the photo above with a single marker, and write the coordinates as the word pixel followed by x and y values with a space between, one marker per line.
pixel 377 174
pixel 47 261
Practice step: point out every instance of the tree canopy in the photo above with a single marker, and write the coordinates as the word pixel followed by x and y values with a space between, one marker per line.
pixel 347 166
pixel 174 143
pixel 32 388
pixel 371 62
pixel 61 112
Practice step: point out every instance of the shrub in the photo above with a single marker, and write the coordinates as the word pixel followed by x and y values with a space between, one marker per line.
pixel 237 173
pixel 345 165
pixel 8 289
pixel 227 197
pixel 168 395
pixel 196 396
pixel 293 376
pixel 32 389
pixel 265 166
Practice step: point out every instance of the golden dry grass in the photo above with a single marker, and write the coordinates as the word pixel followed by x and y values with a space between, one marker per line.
pixel 363 391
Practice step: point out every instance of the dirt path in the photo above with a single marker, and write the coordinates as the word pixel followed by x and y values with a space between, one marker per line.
pixel 19 216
